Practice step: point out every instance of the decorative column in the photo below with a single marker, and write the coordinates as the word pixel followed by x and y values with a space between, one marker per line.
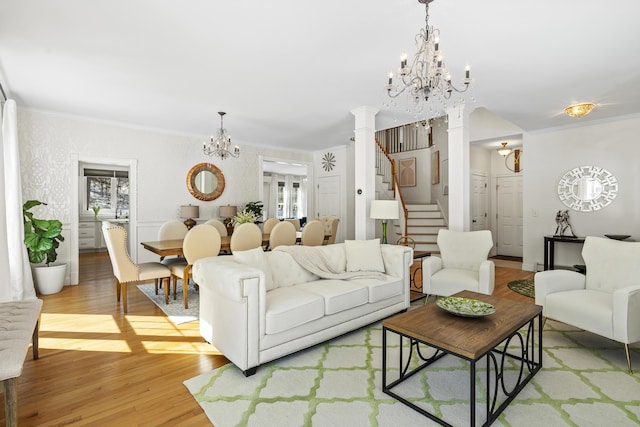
pixel 364 170
pixel 459 174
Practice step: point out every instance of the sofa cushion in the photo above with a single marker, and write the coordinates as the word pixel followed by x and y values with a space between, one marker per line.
pixel 290 307
pixel 256 258
pixel 338 295
pixel 285 271
pixel 586 309
pixel 380 290
pixel 451 280
pixel 364 255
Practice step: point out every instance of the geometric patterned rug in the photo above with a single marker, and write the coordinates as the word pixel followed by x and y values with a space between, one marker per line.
pixel 583 382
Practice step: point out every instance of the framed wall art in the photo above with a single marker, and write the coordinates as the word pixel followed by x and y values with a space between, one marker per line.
pixel 435 167
pixel 407 172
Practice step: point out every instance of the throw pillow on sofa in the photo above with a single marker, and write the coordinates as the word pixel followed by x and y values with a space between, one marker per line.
pixel 256 258
pixel 364 255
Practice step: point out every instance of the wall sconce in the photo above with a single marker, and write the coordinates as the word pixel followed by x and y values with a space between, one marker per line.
pixel 384 210
pixel 189 212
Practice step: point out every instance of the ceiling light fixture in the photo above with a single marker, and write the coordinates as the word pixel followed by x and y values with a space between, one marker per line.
pixel 221 145
pixel 426 78
pixel 504 151
pixel 579 110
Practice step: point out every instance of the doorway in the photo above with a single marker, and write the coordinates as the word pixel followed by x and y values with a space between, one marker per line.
pixel 479 215
pixel 509 216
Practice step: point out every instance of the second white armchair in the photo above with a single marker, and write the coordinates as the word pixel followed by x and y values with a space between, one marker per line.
pixel 462 264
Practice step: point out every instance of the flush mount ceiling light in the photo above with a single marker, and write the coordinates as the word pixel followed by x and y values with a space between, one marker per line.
pixel 504 151
pixel 221 145
pixel 579 110
pixel 426 80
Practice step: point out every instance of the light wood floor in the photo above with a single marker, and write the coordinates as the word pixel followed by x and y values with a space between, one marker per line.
pixel 100 367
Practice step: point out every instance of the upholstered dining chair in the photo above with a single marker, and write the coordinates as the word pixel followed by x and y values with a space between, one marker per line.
pixel 125 270
pixel 172 230
pixel 461 265
pixel 604 301
pixel 269 224
pixel 245 236
pixel 295 222
pixel 219 225
pixel 313 233
pixel 201 241
pixel 330 228
pixel 283 234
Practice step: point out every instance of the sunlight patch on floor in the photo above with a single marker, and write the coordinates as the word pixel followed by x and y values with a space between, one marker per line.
pixel 64 322
pixel 102 345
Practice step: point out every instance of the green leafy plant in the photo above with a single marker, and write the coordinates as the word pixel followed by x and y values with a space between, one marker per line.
pixel 255 208
pixel 95 210
pixel 242 217
pixel 41 236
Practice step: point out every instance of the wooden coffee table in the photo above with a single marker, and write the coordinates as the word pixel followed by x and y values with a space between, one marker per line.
pixel 470 339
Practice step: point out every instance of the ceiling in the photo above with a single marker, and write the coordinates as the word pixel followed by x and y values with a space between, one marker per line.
pixel 289 72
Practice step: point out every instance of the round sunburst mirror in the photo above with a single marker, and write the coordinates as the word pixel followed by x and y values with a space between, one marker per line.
pixel 205 182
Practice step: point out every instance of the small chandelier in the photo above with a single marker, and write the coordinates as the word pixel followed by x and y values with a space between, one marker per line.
pixel 426 78
pixel 221 145
pixel 579 110
pixel 504 151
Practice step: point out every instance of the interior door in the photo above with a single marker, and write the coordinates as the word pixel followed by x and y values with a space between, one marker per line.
pixel 509 216
pixel 329 199
pixel 479 216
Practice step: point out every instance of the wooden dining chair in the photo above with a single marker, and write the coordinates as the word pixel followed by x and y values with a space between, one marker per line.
pixel 313 233
pixel 330 228
pixel 125 270
pixel 245 236
pixel 284 233
pixel 201 241
pixel 295 222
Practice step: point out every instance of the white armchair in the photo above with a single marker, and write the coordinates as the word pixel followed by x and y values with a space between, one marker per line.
pixel 462 265
pixel 605 301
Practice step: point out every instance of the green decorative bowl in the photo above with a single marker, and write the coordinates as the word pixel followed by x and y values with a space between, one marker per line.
pixel 465 307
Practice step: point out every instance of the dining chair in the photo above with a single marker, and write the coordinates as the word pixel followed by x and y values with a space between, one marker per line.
pixel 284 233
pixel 313 233
pixel 245 236
pixel 269 224
pixel 295 223
pixel 219 225
pixel 330 228
pixel 125 270
pixel 201 241
pixel 172 230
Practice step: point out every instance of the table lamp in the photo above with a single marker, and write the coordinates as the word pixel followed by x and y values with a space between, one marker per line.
pixel 228 212
pixel 189 212
pixel 384 210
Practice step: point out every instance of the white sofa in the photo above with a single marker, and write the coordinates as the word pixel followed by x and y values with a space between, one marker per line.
pixel 258 306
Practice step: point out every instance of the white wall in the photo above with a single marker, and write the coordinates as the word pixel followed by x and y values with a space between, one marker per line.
pixel 49 143
pixel 612 145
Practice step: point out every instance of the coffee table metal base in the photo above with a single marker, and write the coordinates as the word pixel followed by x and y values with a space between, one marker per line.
pixel 495 369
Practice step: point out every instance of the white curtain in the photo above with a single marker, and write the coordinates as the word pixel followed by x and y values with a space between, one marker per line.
pixel 16 282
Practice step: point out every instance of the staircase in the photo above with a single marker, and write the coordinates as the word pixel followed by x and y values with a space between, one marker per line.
pixel 423 223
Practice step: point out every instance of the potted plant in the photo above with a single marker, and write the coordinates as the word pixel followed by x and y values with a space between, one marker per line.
pixel 242 217
pixel 42 238
pixel 256 209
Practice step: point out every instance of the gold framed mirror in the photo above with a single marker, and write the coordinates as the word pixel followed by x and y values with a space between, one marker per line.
pixel 205 181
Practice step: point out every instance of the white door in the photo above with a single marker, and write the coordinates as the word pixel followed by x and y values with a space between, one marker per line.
pixel 509 216
pixel 479 202
pixel 329 200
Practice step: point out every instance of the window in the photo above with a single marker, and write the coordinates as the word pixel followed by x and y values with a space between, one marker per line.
pixel 108 189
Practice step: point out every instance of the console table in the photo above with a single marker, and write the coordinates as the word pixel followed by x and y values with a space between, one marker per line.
pixel 549 248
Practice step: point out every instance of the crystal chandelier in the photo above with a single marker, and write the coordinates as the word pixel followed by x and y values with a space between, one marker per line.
pixel 426 81
pixel 221 145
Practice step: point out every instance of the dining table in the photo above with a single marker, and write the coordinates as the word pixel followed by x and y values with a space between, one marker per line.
pixel 166 248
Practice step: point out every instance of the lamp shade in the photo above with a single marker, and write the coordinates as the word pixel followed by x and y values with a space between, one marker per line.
pixel 228 211
pixel 189 211
pixel 384 209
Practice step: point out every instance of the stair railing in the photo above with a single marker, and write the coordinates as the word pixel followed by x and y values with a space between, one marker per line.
pixel 387 166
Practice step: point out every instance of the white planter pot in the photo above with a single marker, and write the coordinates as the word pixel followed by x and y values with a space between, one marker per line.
pixel 49 280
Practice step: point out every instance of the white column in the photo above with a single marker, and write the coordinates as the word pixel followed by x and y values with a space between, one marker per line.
pixel 459 174
pixel 365 170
